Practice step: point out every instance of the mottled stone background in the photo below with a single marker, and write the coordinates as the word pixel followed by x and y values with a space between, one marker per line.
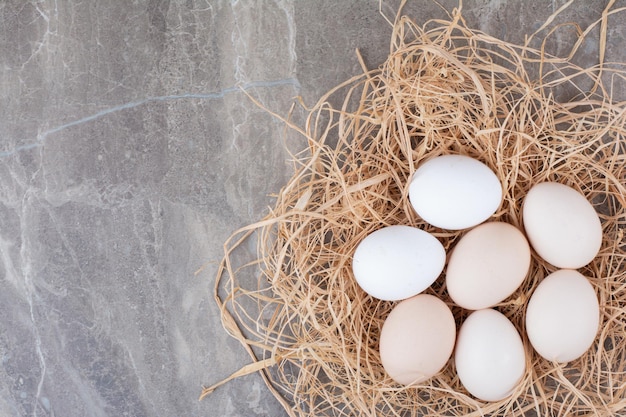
pixel 128 154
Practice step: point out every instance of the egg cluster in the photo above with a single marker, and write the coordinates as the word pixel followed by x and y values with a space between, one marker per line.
pixel 487 265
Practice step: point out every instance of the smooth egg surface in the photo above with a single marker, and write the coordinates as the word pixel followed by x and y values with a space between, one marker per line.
pixel 562 316
pixel 454 192
pixel 489 356
pixel 487 265
pixel 562 226
pixel 397 262
pixel 417 339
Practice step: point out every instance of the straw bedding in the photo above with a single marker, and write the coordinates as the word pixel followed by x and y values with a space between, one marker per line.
pixel 444 89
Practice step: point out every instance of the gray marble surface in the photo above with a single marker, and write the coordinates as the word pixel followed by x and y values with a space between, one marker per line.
pixel 128 154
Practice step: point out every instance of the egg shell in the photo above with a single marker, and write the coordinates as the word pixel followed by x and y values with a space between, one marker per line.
pixel 454 192
pixel 487 265
pixel 489 356
pixel 561 225
pixel 397 262
pixel 562 316
pixel 417 339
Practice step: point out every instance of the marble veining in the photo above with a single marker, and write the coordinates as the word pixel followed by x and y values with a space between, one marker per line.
pixel 207 96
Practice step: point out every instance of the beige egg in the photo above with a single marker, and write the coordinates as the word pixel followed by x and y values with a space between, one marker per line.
pixel 487 265
pixel 561 224
pixel 417 339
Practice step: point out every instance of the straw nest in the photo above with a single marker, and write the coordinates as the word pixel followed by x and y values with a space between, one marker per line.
pixel 444 89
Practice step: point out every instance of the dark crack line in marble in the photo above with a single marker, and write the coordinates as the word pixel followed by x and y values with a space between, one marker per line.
pixel 207 96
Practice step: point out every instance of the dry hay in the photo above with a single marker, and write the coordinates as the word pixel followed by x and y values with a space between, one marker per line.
pixel 445 89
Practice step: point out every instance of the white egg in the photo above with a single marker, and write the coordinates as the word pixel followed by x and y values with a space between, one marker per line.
pixel 562 316
pixel 487 265
pixel 397 262
pixel 417 339
pixel 489 356
pixel 454 192
pixel 562 226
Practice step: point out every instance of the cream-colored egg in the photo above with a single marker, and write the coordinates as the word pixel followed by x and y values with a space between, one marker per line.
pixel 397 262
pixel 562 316
pixel 417 339
pixel 489 356
pixel 454 192
pixel 487 265
pixel 562 226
